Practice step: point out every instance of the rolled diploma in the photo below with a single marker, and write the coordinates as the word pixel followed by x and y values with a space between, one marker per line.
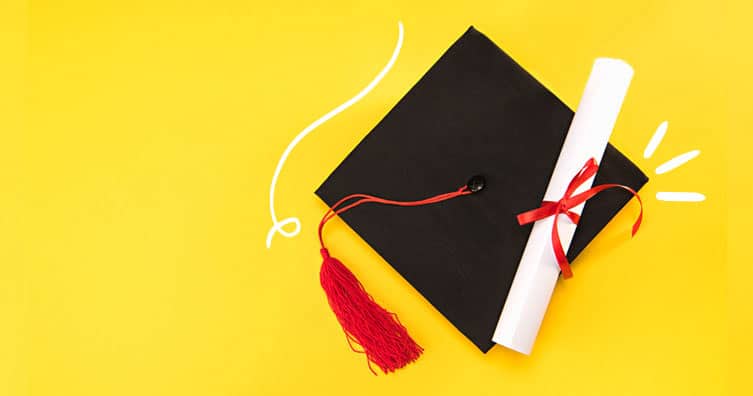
pixel 538 269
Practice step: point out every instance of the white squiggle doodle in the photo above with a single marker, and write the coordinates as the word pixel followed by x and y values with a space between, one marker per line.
pixel 278 225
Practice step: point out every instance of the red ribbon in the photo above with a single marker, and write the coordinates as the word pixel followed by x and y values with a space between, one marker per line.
pixel 569 201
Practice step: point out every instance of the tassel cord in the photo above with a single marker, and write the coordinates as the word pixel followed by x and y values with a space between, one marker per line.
pixel 338 207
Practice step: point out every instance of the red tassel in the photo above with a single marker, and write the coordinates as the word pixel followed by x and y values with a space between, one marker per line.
pixel 384 340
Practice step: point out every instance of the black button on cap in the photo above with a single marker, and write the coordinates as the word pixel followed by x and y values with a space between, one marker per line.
pixel 476 183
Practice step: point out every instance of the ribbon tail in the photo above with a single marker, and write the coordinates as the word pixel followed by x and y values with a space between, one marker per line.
pixel 574 217
pixel 546 209
pixel 559 252
pixel 639 220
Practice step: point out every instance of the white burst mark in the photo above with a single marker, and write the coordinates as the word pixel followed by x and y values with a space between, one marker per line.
pixel 674 163
pixel 277 225
pixel 653 144
pixel 677 161
pixel 680 196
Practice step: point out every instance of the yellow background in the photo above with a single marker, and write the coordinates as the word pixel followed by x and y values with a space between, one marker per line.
pixel 138 143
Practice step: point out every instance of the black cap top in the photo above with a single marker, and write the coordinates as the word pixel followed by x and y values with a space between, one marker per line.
pixel 476 111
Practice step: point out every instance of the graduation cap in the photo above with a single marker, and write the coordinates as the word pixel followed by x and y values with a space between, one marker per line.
pixel 483 134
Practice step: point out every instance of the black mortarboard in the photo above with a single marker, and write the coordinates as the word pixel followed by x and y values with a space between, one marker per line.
pixel 475 112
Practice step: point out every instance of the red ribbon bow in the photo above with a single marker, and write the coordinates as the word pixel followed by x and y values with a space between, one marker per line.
pixel 569 201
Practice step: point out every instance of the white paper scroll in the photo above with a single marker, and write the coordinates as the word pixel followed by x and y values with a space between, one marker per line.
pixel 538 270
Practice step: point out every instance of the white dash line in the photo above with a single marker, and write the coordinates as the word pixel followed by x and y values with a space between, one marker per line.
pixel 677 161
pixel 653 144
pixel 680 196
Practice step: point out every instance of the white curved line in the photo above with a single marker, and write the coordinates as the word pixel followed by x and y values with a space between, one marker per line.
pixel 677 161
pixel 655 140
pixel 680 196
pixel 277 226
